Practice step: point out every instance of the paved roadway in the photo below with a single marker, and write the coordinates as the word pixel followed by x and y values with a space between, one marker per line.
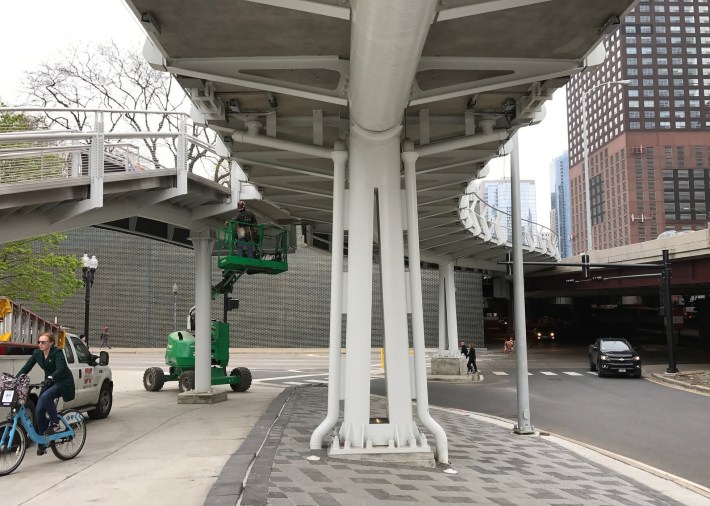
pixel 635 418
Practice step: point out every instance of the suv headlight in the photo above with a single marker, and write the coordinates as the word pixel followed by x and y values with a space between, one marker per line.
pixel 603 357
pixel 636 358
pixel 552 334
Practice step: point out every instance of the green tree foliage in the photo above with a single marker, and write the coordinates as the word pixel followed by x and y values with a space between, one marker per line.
pixel 32 271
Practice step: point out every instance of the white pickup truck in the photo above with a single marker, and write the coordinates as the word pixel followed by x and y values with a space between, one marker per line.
pixel 92 376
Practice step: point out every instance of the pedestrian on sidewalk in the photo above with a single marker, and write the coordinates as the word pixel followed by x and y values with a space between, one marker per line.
pixel 104 338
pixel 471 366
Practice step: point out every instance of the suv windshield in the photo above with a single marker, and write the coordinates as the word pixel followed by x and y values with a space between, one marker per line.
pixel 614 346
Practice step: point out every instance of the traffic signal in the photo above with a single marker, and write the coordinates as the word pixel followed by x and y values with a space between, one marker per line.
pixel 585 265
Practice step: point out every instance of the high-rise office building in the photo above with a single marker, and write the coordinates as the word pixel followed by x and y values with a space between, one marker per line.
pixel 560 211
pixel 648 138
pixel 497 193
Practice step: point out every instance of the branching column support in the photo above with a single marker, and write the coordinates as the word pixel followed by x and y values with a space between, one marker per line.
pixel 409 158
pixel 340 157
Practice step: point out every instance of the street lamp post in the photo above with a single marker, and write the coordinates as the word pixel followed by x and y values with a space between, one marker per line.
pixel 175 293
pixel 88 270
pixel 585 148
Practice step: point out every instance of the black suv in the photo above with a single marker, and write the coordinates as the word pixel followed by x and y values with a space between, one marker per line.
pixel 611 355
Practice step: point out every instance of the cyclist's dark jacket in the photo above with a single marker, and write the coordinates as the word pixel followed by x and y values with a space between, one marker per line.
pixel 55 365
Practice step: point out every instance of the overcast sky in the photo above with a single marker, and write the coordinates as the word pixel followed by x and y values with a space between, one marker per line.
pixel 55 25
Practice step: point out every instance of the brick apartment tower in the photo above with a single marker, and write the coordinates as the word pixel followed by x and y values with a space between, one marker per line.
pixel 649 141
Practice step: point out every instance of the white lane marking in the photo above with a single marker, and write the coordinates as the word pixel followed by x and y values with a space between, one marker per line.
pixel 293 383
pixel 290 377
pixel 500 373
pixel 591 372
pixel 548 373
pixel 293 370
pixel 572 373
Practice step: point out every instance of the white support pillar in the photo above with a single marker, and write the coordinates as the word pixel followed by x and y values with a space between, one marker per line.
pixel 451 321
pixel 409 158
pixel 442 310
pixel 203 241
pixel 374 162
pixel 340 157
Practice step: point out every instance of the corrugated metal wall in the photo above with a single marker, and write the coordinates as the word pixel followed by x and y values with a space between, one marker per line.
pixel 132 294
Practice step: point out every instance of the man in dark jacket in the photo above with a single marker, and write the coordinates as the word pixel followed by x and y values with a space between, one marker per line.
pixel 58 382
pixel 247 234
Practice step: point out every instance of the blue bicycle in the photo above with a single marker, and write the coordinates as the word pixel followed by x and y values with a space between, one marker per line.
pixel 65 444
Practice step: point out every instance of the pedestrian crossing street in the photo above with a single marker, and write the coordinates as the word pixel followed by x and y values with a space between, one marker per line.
pixel 377 373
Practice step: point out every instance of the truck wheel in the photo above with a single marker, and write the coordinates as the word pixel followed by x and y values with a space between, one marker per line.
pixel 244 375
pixel 153 379
pixel 104 404
pixel 592 365
pixel 186 381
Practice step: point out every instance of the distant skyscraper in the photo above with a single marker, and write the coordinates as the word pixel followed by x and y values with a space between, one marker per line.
pixel 649 142
pixel 560 214
pixel 497 194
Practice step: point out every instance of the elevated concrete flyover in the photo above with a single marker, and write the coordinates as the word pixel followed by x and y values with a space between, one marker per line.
pixel 368 118
pixel 689 254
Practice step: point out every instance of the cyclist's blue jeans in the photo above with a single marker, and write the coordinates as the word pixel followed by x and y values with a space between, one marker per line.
pixel 46 406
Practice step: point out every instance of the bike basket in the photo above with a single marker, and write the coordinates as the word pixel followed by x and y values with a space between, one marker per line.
pixel 13 391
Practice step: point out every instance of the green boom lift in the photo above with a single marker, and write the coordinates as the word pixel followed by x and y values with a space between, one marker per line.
pixel 270 257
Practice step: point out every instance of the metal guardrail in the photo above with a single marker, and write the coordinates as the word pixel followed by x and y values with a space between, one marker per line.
pixel 495 226
pixel 37 144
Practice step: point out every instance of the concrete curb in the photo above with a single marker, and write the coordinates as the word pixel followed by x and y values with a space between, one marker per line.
pixel 662 378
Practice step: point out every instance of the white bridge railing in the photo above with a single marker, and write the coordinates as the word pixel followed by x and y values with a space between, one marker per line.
pixel 495 226
pixel 40 144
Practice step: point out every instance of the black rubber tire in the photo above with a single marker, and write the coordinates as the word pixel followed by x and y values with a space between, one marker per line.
pixel 637 374
pixel 599 370
pixel 186 381
pixel 153 379
pixel 244 379
pixel 11 455
pixel 68 449
pixel 103 407
pixel 592 365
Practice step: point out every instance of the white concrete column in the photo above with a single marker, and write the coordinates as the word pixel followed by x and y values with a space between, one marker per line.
pixel 442 310
pixel 409 158
pixel 203 241
pixel 340 157
pixel 374 166
pixel 451 321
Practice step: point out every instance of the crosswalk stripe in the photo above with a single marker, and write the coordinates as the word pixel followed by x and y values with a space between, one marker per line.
pixel 591 372
pixel 293 383
pixel 572 373
pixel 500 373
pixel 548 373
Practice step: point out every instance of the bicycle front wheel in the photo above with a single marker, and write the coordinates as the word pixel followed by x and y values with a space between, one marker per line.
pixel 11 452
pixel 69 447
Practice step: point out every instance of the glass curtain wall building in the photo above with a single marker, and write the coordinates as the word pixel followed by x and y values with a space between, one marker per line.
pixel 649 141
pixel 560 211
pixel 497 193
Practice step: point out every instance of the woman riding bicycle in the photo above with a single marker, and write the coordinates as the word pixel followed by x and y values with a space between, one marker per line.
pixel 58 382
